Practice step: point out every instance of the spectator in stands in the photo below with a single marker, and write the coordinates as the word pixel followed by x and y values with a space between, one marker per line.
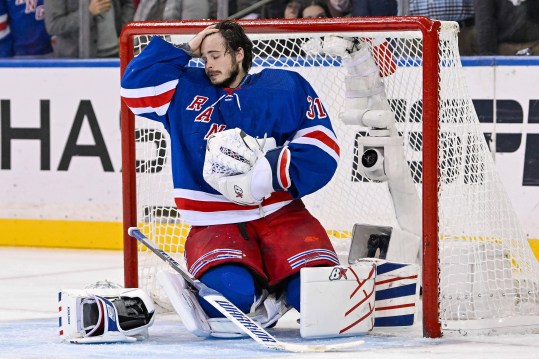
pixel 366 7
pixel 22 29
pixel 149 10
pixel 315 9
pixel 339 8
pixel 292 9
pixel 282 48
pixel 172 10
pixel 450 10
pixel 285 9
pixel 507 27
pixel 235 6
pixel 186 10
pixel 106 20
pixel 461 11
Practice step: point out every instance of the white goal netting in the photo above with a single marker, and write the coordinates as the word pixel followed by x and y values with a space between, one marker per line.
pixel 488 275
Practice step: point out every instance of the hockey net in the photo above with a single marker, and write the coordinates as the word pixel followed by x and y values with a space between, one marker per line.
pixel 479 272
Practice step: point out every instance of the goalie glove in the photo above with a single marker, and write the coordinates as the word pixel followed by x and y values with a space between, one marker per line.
pixel 231 152
pixel 233 159
pixel 248 188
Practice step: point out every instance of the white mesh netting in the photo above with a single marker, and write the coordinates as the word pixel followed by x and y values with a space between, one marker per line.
pixel 488 273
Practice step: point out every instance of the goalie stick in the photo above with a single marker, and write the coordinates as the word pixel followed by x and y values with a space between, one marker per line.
pixel 223 305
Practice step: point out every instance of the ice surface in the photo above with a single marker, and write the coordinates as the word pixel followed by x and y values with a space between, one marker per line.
pixel 31 278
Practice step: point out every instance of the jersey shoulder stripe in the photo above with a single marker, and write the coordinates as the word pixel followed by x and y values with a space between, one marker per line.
pixel 324 138
pixel 4 26
pixel 150 99
pixel 153 101
pixel 321 137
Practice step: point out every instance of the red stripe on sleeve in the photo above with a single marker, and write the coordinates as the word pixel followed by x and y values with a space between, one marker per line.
pixel 284 162
pixel 328 141
pixel 149 101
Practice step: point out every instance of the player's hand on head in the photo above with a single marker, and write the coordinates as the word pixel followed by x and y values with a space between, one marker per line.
pixel 196 42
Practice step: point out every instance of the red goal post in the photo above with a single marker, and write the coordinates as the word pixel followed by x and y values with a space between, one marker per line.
pixel 426 64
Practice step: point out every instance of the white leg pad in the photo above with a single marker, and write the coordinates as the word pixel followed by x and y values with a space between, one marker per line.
pixel 397 292
pixel 337 301
pixel 185 303
pixel 187 306
pixel 266 310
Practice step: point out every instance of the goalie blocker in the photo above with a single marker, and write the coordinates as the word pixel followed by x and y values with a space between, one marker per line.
pixel 104 315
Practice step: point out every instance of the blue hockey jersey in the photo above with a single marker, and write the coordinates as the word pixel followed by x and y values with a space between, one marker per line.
pixel 159 85
pixel 22 28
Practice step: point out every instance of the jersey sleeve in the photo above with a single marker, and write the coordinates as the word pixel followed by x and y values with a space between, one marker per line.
pixel 149 81
pixel 309 159
pixel 6 39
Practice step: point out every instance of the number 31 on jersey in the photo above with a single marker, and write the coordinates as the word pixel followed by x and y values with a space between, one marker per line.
pixel 315 109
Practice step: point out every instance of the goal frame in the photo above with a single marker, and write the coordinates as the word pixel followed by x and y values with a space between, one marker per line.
pixel 430 96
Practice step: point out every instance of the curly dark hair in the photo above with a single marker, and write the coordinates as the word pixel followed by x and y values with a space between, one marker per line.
pixel 235 38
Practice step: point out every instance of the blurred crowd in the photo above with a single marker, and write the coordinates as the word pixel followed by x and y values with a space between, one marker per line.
pixel 54 28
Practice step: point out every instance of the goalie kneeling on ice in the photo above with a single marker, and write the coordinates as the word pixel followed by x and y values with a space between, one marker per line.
pixel 105 315
pixel 337 301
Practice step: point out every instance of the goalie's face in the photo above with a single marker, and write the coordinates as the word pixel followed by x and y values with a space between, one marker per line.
pixel 223 67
